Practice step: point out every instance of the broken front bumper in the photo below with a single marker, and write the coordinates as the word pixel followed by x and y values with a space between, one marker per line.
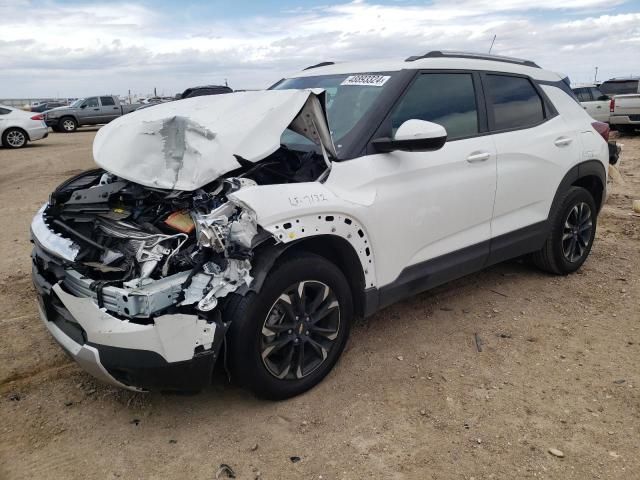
pixel 174 352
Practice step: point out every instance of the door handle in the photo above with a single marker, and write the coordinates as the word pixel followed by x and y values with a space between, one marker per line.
pixel 478 157
pixel 96 109
pixel 599 106
pixel 562 141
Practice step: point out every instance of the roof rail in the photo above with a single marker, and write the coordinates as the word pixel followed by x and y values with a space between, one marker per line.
pixel 321 64
pixel 477 56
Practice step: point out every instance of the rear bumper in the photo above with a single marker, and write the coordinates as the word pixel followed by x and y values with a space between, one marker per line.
pixel 624 120
pixel 38 133
pixel 171 353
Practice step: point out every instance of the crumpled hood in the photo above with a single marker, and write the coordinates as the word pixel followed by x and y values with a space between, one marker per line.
pixel 187 144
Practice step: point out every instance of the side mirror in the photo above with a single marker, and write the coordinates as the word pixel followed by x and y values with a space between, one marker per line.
pixel 84 105
pixel 414 136
pixel 603 97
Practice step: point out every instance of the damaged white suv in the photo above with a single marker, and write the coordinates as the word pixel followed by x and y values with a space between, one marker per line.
pixel 257 225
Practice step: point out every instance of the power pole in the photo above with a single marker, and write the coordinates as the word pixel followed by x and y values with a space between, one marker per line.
pixel 595 77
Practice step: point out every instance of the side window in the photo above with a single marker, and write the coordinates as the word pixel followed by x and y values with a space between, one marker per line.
pixel 4 111
pixel 444 98
pixel 91 102
pixel 583 94
pixel 107 101
pixel 597 94
pixel 514 102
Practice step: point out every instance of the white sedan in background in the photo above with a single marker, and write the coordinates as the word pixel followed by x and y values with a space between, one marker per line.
pixel 18 127
pixel 593 101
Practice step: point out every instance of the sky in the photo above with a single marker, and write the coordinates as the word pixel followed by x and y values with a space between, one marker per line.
pixel 57 48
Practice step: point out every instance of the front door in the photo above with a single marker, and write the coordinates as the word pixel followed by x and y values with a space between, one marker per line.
pixel 428 204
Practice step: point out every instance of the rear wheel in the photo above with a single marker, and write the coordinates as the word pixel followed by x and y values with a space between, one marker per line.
pixel 14 138
pixel 573 228
pixel 285 339
pixel 68 124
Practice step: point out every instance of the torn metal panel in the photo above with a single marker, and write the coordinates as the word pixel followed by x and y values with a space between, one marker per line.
pixel 174 337
pixel 51 242
pixel 187 144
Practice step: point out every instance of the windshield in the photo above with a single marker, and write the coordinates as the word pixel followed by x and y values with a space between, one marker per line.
pixel 77 103
pixel 348 99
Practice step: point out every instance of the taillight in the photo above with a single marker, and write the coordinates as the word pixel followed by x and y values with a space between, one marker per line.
pixel 612 105
pixel 38 117
pixel 602 128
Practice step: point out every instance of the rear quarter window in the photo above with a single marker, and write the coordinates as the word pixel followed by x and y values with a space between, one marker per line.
pixel 513 102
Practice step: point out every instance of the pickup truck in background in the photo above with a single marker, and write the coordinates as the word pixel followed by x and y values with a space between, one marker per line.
pixel 86 111
pixel 624 108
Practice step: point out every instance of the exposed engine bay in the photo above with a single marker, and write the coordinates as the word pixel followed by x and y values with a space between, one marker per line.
pixel 141 251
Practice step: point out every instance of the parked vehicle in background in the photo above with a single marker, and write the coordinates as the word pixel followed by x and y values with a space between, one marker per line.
pixel 86 111
pixel 18 127
pixel 624 107
pixel 268 226
pixel 43 107
pixel 593 101
pixel 205 90
pixel 193 92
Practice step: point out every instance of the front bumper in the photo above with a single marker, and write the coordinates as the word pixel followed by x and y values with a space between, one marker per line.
pixel 161 356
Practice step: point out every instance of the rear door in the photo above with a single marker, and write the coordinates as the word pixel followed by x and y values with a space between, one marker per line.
pixel 108 109
pixel 535 148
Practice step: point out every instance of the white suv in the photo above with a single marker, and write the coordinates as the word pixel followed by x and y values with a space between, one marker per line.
pixel 266 221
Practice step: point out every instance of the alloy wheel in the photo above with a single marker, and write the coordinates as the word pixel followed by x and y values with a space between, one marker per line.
pixel 576 233
pixel 300 330
pixel 16 138
pixel 69 125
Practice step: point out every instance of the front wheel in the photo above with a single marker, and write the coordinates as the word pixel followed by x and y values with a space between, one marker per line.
pixel 285 339
pixel 573 229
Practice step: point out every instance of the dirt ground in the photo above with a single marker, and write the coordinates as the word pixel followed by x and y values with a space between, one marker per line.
pixel 411 398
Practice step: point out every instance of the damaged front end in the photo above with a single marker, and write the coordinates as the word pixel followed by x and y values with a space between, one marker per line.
pixel 138 271
pixel 132 269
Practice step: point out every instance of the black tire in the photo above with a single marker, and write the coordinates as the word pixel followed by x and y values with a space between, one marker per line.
pixel 252 317
pixel 14 138
pixel 67 124
pixel 573 228
pixel 626 129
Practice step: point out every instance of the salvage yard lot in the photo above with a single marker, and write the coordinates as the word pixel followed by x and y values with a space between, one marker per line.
pixel 412 397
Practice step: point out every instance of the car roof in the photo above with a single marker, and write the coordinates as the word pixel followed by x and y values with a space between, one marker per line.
pixel 623 79
pixel 434 61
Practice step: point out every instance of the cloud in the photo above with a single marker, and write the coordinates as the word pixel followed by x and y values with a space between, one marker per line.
pixel 81 49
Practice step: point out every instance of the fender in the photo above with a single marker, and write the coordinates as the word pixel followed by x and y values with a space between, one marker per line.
pixel 581 170
pixel 308 210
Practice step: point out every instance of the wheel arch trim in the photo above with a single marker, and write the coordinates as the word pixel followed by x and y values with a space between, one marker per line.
pixel 586 169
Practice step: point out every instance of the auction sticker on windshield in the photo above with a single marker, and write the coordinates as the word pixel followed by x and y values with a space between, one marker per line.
pixel 368 80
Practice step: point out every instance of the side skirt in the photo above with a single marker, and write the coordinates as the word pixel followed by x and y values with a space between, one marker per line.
pixel 432 273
